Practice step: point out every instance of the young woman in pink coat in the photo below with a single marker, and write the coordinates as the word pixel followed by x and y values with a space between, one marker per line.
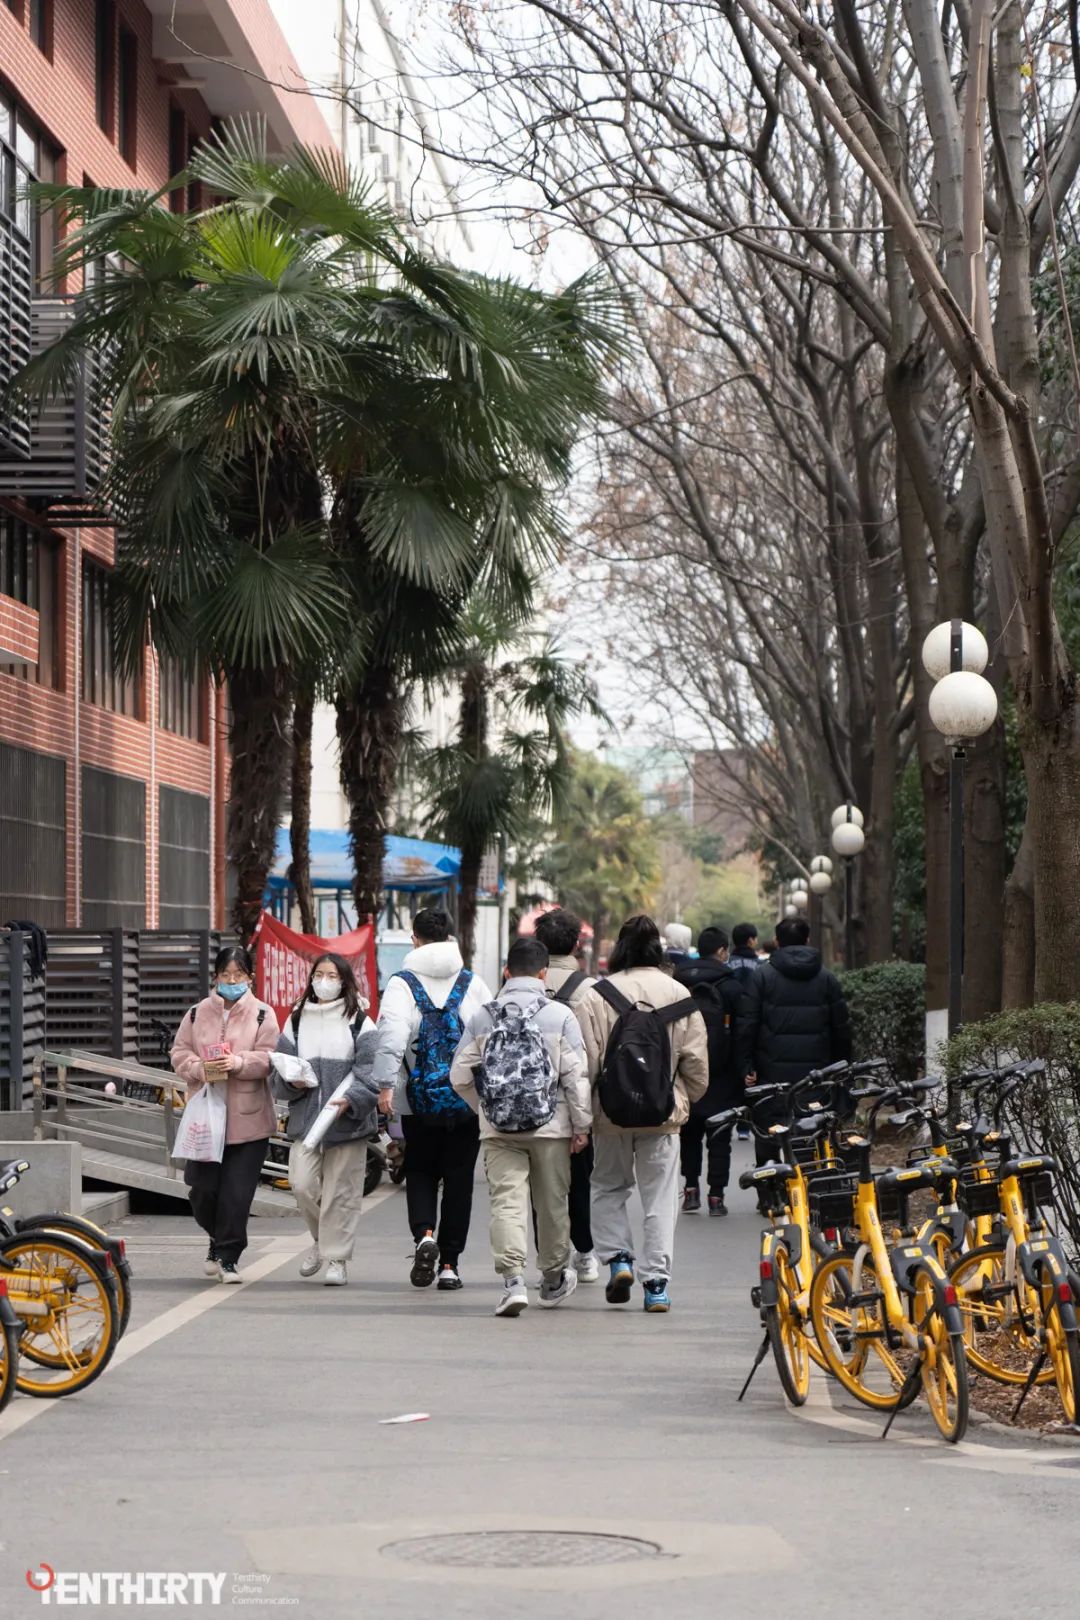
pixel 221 1194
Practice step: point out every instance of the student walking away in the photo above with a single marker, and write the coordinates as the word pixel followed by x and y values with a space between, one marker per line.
pixel 226 1040
pixel 521 1066
pixel 423 1013
pixel 717 991
pixel 744 958
pixel 568 982
pixel 329 1038
pixel 648 1060
pixel 678 938
pixel 792 1016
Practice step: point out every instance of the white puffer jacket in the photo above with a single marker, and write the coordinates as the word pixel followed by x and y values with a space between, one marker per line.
pixel 437 967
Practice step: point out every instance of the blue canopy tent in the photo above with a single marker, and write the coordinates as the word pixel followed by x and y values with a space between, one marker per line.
pixel 410 865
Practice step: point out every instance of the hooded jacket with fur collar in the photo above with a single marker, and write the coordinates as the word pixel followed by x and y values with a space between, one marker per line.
pixel 437 967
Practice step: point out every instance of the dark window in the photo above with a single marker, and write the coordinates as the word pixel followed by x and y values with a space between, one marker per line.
pixel 178 152
pixel 183 859
pixel 33 836
pixel 29 570
pixel 103 680
pixel 105 64
pixel 41 25
pixel 128 96
pixel 183 701
pixel 15 6
pixel 113 850
pixel 194 190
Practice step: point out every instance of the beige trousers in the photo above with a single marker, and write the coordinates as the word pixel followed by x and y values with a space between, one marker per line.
pixel 328 1185
pixel 515 1168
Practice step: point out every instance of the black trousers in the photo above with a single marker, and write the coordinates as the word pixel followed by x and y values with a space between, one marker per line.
pixel 221 1195
pixel 434 1154
pixel 691 1142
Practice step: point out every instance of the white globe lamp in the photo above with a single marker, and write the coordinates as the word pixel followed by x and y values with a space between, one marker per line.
pixel 821 863
pixel 848 839
pixel 937 651
pixel 963 705
pixel 847 812
pixel 820 882
pixel 791 911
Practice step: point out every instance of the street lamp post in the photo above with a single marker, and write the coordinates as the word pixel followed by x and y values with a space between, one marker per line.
pixel 848 840
pixel 820 883
pixel 963 705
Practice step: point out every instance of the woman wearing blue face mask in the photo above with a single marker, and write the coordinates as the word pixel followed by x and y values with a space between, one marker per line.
pixel 226 1040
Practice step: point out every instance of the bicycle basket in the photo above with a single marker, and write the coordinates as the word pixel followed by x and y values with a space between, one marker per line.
pixel 832 1198
pixel 805 1151
pixel 978 1197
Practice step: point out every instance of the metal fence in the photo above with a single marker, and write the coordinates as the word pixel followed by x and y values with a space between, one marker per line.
pixel 118 991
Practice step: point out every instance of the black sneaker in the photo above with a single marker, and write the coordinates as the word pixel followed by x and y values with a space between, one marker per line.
pixel 691 1200
pixel 230 1272
pixel 211 1265
pixel 425 1260
pixel 717 1205
pixel 743 1133
pixel 449 1281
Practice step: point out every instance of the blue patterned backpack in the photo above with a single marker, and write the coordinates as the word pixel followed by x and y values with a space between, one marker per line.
pixel 431 1096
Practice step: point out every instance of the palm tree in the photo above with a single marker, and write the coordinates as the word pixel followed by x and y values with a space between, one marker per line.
pixel 274 362
pixel 509 761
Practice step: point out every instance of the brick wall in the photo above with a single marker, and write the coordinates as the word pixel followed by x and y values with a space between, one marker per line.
pixel 18 632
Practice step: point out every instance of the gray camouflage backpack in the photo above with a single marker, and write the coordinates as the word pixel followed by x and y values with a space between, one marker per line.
pixel 516 1083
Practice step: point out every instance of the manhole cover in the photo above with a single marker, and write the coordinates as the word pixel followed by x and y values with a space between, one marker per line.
pixel 521 1549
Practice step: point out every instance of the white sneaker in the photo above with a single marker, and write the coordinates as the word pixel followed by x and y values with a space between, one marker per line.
pixel 336 1275
pixel 515 1297
pixel 311 1262
pixel 211 1265
pixel 552 1294
pixel 587 1266
pixel 230 1272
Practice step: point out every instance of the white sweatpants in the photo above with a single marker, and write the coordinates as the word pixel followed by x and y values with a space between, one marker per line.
pixel 328 1185
pixel 649 1159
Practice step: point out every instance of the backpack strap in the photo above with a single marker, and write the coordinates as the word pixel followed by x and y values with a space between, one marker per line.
pixel 458 992
pixel 613 996
pixel 191 1016
pixel 294 1020
pixel 675 1010
pixel 357 1024
pixel 565 992
pixel 419 994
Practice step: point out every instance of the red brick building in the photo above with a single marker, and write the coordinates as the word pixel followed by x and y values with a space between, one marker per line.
pixel 112 788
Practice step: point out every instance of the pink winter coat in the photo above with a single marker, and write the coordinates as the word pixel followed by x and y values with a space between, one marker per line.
pixel 250 1107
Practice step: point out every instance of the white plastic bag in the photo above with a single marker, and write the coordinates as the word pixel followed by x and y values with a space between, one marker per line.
pixel 296 1071
pixel 328 1115
pixel 201 1133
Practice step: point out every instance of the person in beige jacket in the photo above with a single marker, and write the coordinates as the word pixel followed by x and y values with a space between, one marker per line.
pixel 537 1161
pixel 647 1158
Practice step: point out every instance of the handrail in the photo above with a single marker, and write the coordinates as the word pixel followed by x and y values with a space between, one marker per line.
pixel 120 1068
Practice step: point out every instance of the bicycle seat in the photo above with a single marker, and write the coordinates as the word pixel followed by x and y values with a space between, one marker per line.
pixel 762 1173
pixel 911 1178
pixel 10 1171
pixel 1029 1165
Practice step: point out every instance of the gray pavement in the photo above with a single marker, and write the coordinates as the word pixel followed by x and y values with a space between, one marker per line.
pixel 239 1433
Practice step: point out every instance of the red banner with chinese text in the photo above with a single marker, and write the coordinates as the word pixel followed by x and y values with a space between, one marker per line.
pixel 283 960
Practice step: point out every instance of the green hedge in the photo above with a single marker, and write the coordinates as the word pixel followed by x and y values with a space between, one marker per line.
pixel 1044 1117
pixel 887 1003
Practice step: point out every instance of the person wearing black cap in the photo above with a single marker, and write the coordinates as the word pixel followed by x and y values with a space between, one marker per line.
pixel 717 990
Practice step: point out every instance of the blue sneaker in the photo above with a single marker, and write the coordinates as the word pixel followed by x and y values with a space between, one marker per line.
pixel 657 1297
pixel 620 1281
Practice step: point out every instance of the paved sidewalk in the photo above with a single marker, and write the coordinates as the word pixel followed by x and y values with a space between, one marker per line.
pixel 240 1433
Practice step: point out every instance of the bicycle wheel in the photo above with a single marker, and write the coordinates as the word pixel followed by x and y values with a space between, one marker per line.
pixel 852 1336
pixel 1062 1344
pixel 61 1290
pixel 943 1366
pixel 76 1226
pixel 785 1330
pixel 1001 1338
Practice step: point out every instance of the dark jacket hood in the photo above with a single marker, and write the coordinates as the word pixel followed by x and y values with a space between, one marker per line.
pixel 706 970
pixel 796 961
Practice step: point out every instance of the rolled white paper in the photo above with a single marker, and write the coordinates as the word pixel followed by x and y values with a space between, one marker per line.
pixel 328 1114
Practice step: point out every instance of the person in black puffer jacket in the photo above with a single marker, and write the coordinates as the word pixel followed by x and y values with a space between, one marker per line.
pixel 717 990
pixel 792 1016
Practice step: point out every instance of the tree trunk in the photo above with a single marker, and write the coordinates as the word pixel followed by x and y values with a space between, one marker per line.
pixel 472 856
pixel 984 874
pixel 258 734
pixel 1018 940
pixel 1052 767
pixel 300 821
pixel 369 727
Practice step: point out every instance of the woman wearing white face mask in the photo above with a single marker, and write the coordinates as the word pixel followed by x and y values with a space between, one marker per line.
pixel 329 1029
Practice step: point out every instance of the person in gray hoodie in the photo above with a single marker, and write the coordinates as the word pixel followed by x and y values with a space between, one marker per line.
pixel 519 1162
pixel 329 1029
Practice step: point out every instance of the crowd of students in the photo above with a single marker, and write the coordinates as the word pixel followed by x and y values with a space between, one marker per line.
pixel 577 1090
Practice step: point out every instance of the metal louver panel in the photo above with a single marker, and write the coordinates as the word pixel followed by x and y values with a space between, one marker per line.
pixel 16 294
pixel 22 1020
pixel 68 437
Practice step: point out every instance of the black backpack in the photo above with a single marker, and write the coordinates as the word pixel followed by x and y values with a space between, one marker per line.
pixel 637 1086
pixel 565 992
